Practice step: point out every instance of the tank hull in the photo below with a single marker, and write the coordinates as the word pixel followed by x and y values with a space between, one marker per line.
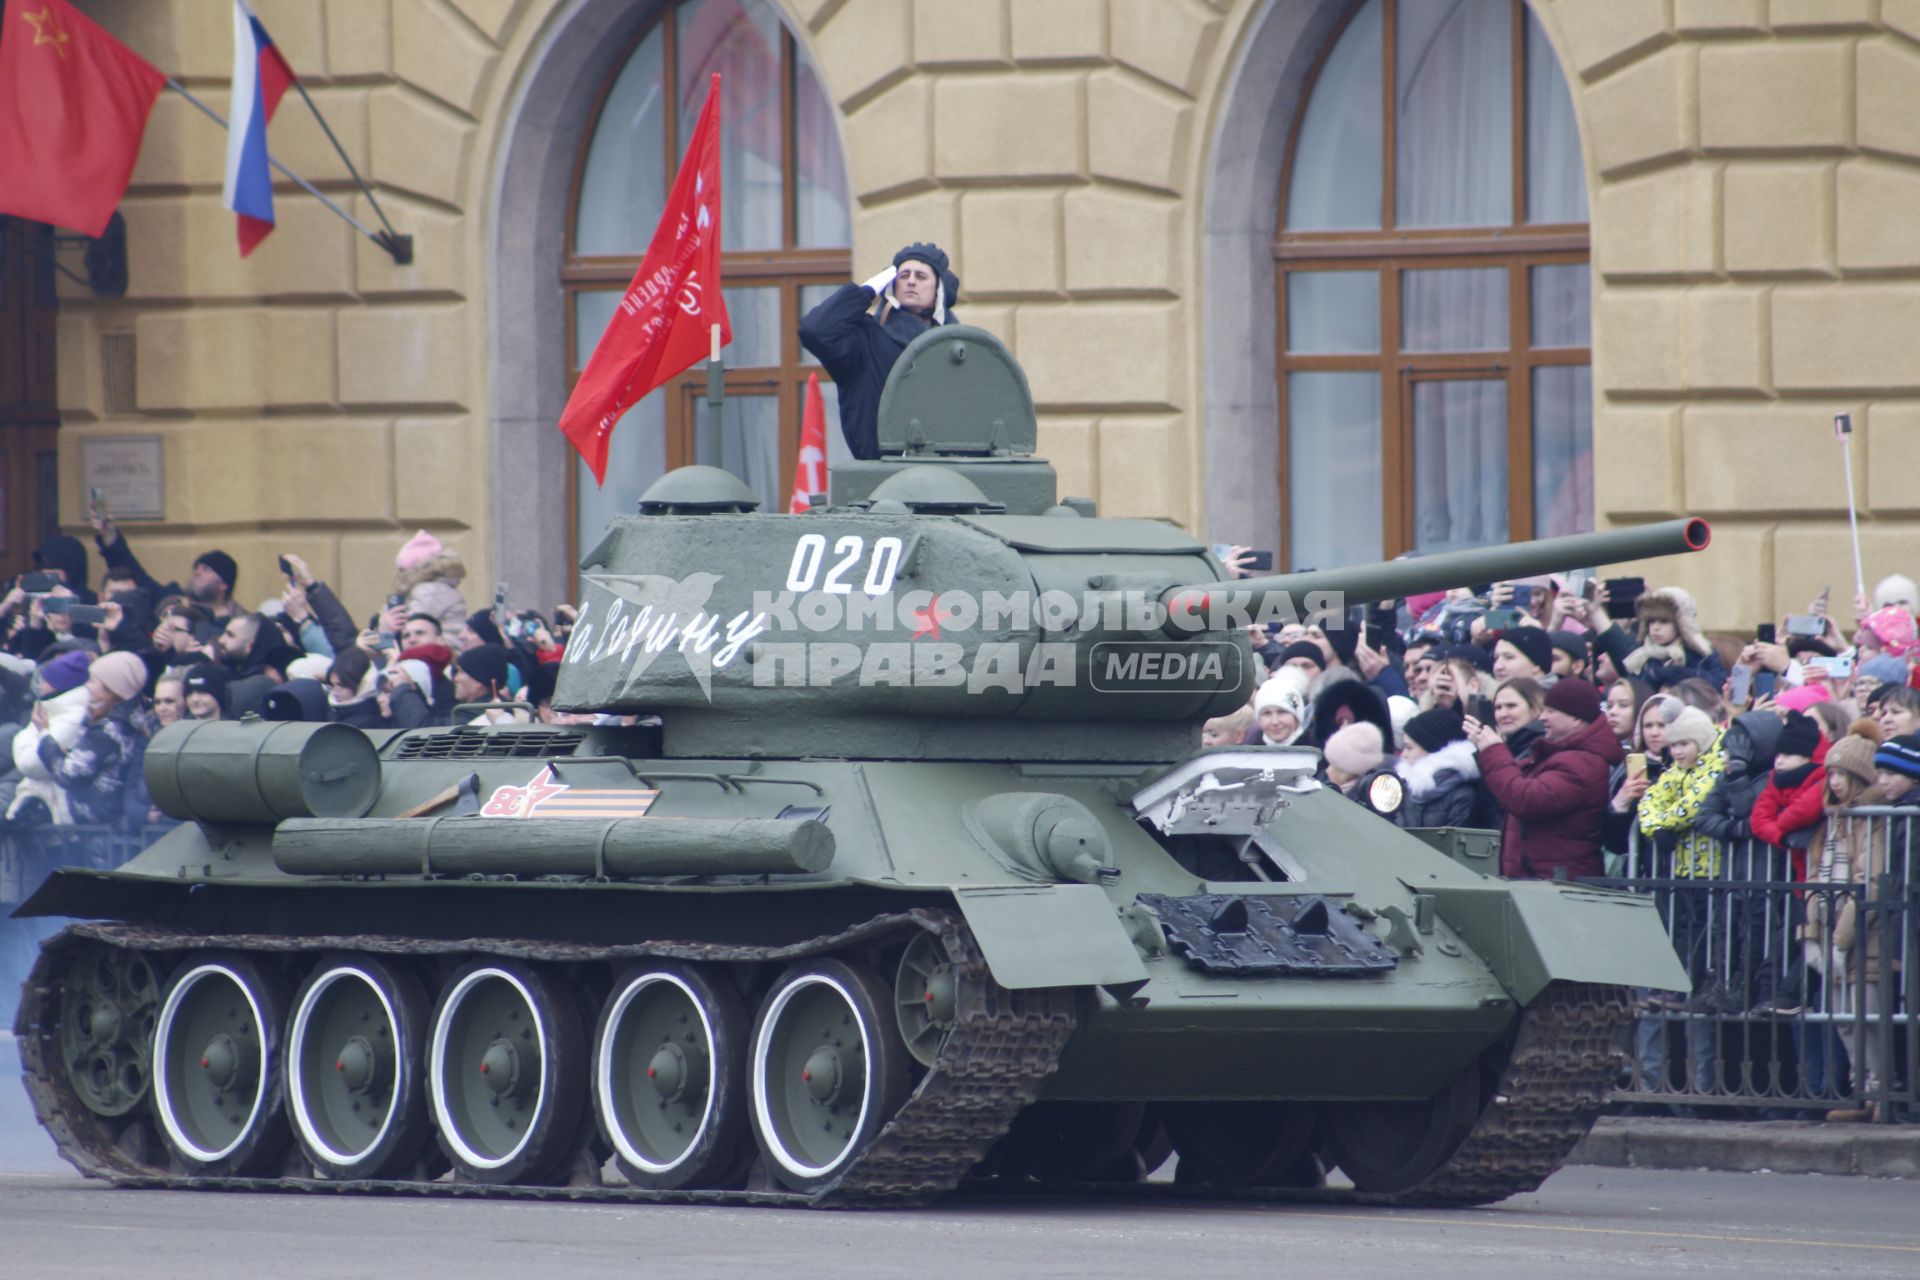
pixel 1049 887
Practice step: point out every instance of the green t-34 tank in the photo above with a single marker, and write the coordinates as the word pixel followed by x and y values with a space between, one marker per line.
pixel 891 863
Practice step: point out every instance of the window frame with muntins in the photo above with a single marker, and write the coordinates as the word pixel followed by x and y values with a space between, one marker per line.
pixel 799 274
pixel 1393 253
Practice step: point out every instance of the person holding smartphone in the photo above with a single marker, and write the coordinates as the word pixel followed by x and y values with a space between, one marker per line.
pixel 1555 799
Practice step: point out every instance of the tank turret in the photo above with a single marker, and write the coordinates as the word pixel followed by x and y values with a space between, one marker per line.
pixel 946 591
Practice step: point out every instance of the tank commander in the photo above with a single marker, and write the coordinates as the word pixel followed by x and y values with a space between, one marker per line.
pixel 858 349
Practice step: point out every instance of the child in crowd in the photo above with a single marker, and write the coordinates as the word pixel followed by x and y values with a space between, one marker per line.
pixel 1784 815
pixel 1672 647
pixel 1442 774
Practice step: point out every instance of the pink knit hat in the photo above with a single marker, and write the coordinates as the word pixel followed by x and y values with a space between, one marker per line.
pixel 1893 626
pixel 420 548
pixel 1803 697
pixel 1357 749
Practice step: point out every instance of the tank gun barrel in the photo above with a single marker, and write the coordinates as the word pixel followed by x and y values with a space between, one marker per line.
pixel 1392 579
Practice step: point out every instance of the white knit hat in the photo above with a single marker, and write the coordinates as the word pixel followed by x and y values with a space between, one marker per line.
pixel 1400 709
pixel 1286 689
pixel 1895 588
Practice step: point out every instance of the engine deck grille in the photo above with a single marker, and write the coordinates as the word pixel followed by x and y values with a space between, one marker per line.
pixel 468 743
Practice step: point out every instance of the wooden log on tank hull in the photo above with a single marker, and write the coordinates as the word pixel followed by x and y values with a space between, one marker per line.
pixel 552 846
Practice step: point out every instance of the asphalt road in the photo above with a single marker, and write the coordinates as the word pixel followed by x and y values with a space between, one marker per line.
pixel 1586 1222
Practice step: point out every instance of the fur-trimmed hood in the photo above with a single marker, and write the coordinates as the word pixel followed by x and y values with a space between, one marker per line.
pixel 447 564
pixel 1450 766
pixel 1347 691
pixel 1675 605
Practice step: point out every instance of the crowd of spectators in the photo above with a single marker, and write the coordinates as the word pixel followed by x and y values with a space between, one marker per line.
pixel 1613 738
pixel 87 679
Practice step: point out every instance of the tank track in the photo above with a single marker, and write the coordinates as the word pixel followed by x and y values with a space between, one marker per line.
pixel 1003 1046
pixel 1562 1064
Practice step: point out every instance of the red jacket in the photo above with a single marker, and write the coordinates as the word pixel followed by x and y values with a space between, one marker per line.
pixel 1555 801
pixel 1779 812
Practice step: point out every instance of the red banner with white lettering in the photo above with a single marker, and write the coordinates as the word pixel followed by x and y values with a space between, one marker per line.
pixel 664 321
pixel 810 468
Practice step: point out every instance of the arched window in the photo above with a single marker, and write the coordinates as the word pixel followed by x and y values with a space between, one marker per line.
pixel 785 237
pixel 1432 274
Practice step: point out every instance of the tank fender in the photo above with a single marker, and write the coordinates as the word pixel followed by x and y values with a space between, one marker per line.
pixel 1055 935
pixel 1533 932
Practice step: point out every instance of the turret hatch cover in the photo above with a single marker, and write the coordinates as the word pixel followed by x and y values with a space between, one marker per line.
pixel 957 389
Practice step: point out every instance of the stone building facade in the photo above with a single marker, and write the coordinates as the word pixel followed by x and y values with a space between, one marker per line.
pixel 1108 174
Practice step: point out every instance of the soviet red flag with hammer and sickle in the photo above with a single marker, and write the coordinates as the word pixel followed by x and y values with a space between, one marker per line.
pixel 73 104
pixel 664 320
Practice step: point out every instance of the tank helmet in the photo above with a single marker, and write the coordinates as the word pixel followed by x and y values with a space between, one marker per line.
pixel 920 251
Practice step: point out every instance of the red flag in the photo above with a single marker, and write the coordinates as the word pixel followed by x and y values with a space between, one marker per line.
pixel 810 471
pixel 73 104
pixel 661 326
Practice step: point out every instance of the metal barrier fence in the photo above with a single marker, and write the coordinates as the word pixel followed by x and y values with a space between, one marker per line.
pixel 1805 991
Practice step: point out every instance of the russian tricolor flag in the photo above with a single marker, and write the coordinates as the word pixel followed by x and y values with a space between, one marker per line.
pixel 260 76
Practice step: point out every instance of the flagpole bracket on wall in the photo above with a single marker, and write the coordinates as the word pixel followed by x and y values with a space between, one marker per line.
pixel 401 247
pixel 105 258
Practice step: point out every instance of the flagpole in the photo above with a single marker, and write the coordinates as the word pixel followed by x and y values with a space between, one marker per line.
pixel 392 246
pixel 716 396
pixel 394 243
pixel 1843 426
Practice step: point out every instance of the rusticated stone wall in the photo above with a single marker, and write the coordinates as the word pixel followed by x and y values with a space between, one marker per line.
pixel 1753 167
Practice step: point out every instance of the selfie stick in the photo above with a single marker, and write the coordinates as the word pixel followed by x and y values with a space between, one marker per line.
pixel 1843 427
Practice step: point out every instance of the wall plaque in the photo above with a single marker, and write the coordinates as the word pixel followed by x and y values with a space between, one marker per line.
pixel 129 472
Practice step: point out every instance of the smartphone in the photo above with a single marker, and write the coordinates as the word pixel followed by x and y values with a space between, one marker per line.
pixel 1739 687
pixel 1820 601
pixel 1763 684
pixel 1502 619
pixel 1636 764
pixel 1480 707
pixel 85 613
pixel 38 584
pixel 1806 624
pixel 96 501
pixel 1621 595
pixel 1580 583
pixel 1836 668
pixel 1260 560
pixel 56 604
pixel 396 600
pixel 286 568
pixel 499 601
pixel 1764 633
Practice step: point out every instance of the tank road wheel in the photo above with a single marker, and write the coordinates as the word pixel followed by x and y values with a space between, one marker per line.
pixel 1390 1146
pixel 216 1055
pixel 1243 1144
pixel 924 993
pixel 669 1075
pixel 505 1072
pixel 828 1070
pixel 108 1008
pixel 356 1068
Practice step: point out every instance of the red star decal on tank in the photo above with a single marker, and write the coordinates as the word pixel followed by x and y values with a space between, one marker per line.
pixel 927 619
